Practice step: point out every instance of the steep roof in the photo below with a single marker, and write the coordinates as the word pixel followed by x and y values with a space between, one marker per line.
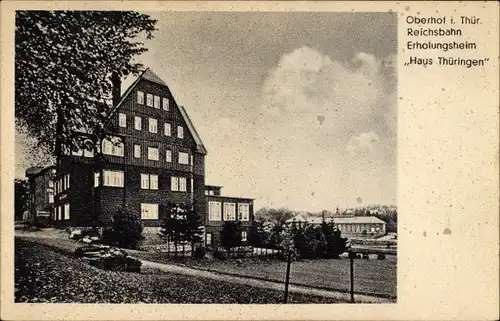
pixel 149 75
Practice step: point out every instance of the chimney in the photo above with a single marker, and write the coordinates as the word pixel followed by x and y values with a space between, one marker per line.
pixel 117 87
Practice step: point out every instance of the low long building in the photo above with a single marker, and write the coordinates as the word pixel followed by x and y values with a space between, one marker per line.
pixel 352 226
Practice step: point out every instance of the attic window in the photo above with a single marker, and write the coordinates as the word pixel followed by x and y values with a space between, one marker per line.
pixel 166 104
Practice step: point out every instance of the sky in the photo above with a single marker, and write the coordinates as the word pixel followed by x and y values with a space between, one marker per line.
pixel 296 110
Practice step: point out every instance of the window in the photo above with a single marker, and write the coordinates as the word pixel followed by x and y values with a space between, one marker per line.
pixel 122 120
pixel 243 212
pixel 168 155
pixel 140 97
pixel 174 183
pixel 112 146
pixel 97 179
pixel 165 104
pixel 149 100
pixel 209 238
pixel 149 211
pixel 157 102
pixel 153 153
pixel 192 186
pixel 191 160
pixel 66 211
pixel 243 236
pixel 137 151
pixel 137 123
pixel 180 132
pixel 113 178
pixel 183 158
pixel 51 183
pixel 229 212
pixel 214 211
pixel 66 181
pixel 182 184
pixel 149 181
pixel 167 129
pixel 51 198
pixel 153 125
pixel 59 212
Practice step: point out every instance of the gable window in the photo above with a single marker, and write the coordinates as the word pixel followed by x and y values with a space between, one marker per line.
pixel 167 129
pixel 153 153
pixel 157 102
pixel 149 100
pixel 122 120
pixel 214 211
pixel 165 104
pixel 183 158
pixel 137 123
pixel 137 151
pixel 168 155
pixel 180 132
pixel 149 211
pixel 229 212
pixel 113 178
pixel 153 125
pixel 182 184
pixel 66 211
pixel 112 146
pixel 243 236
pixel 243 212
pixel 149 181
pixel 140 97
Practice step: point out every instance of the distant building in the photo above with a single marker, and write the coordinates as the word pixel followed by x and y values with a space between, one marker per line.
pixel 40 191
pixel 354 226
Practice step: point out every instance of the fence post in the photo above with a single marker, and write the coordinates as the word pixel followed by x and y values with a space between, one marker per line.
pixel 287 277
pixel 351 259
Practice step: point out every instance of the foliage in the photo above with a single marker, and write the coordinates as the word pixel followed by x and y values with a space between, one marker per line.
pixel 199 252
pixel 257 236
pixel 126 229
pixel 181 223
pixel 276 216
pixel 20 198
pixel 65 64
pixel 230 235
pixel 319 241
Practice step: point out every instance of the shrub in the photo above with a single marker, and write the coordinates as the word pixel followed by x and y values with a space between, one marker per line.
pixel 230 235
pixel 199 252
pixel 126 229
pixel 220 254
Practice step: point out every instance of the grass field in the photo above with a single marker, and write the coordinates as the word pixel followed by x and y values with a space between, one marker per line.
pixel 43 275
pixel 374 277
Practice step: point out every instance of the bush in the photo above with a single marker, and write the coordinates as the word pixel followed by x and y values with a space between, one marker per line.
pixel 125 231
pixel 199 252
pixel 220 254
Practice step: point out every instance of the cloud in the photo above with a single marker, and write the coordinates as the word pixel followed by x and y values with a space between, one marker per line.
pixel 331 126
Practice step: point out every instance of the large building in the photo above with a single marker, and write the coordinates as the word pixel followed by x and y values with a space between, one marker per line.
pixel 154 157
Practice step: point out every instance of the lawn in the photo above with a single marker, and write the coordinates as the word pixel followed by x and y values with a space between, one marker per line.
pixel 373 277
pixel 44 275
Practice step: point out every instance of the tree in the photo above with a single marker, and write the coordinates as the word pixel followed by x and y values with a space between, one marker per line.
pixel 230 235
pixel 257 236
pixel 20 197
pixel 126 229
pixel 66 63
pixel 192 226
pixel 172 225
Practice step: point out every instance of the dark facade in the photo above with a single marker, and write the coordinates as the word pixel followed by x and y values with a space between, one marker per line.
pixel 225 208
pixel 40 190
pixel 154 157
